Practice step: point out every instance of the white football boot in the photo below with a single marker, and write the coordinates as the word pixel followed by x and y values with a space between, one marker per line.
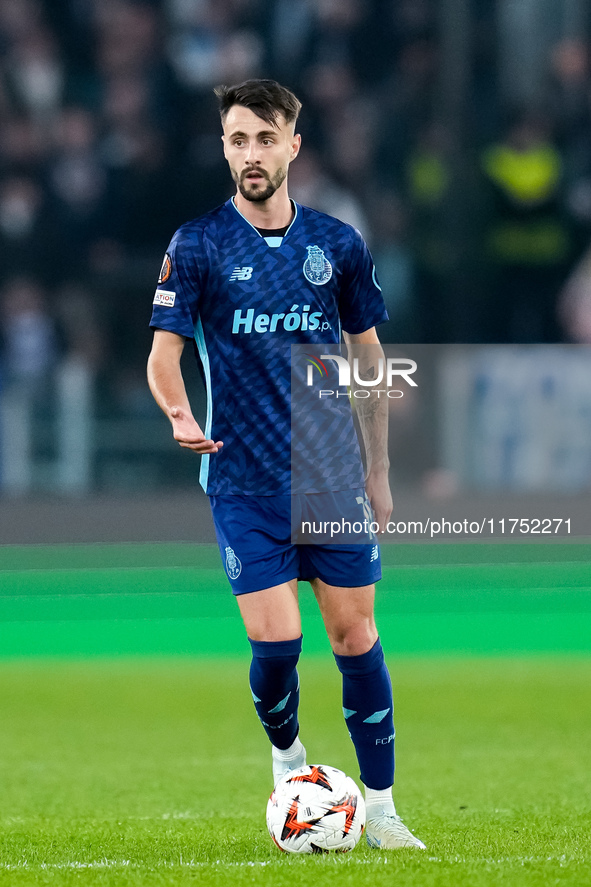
pixel 388 832
pixel 287 759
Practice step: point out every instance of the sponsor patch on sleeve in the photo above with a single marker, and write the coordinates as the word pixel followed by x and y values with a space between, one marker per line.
pixel 164 297
pixel 166 269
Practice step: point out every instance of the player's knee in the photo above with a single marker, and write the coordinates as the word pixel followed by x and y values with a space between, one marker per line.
pixel 273 633
pixel 353 639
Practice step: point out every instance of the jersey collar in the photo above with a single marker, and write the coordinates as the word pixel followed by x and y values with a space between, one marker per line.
pixel 297 215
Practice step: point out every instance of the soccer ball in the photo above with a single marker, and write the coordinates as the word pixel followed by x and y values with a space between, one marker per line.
pixel 315 809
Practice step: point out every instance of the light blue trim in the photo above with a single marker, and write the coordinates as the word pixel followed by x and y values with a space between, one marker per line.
pixel 274 241
pixel 202 349
pixel 373 277
pixel 280 705
pixel 349 712
pixel 376 717
pixel 295 215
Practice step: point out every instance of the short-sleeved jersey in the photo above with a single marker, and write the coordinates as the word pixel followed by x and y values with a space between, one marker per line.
pixel 245 302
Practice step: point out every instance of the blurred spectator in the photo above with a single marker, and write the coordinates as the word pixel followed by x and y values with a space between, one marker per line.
pixel 77 311
pixel 569 70
pixel 574 304
pixel 23 145
pixel 570 97
pixel 528 238
pixel 288 38
pixel 406 103
pixel 427 184
pixel 351 34
pixel 77 182
pixel 17 17
pixel 395 268
pixel 30 243
pixel 128 37
pixel 28 334
pixel 311 186
pixel 214 43
pixel 35 73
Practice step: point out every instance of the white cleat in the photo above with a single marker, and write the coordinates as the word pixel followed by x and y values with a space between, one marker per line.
pixel 390 833
pixel 283 765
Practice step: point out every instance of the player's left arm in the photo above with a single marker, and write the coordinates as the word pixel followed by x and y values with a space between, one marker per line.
pixel 373 420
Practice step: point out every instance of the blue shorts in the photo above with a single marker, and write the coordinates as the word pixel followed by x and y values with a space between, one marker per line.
pixel 254 535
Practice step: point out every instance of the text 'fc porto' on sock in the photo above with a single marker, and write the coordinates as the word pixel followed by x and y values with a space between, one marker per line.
pixel 368 711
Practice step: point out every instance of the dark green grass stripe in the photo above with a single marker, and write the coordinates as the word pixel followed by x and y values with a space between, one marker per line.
pixel 190 579
pixel 47 557
pixel 82 557
pixel 114 581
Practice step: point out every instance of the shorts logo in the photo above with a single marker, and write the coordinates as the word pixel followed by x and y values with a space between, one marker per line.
pixel 244 273
pixel 317 269
pixel 164 297
pixel 233 564
pixel 374 554
pixel 166 269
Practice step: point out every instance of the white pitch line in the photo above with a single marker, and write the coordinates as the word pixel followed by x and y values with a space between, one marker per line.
pixel 337 860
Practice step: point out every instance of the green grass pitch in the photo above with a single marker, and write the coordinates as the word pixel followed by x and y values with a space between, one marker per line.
pixel 144 769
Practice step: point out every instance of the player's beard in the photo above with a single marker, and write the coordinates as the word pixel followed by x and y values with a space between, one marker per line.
pixel 255 193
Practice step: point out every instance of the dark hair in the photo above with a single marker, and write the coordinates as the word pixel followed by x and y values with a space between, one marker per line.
pixel 265 98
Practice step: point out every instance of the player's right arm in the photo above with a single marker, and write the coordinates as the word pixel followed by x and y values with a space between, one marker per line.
pixel 168 388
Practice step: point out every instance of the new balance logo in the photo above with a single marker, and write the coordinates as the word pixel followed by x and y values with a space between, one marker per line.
pixel 244 273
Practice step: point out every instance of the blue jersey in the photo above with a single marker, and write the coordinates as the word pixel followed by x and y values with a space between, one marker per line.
pixel 245 299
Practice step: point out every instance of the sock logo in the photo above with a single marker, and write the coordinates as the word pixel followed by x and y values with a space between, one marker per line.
pixel 280 705
pixel 376 717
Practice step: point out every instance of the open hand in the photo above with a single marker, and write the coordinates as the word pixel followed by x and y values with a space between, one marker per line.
pixel 188 433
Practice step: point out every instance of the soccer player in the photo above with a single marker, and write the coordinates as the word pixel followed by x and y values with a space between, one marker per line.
pixel 245 282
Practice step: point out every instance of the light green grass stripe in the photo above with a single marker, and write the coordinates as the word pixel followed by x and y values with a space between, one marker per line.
pixel 491 633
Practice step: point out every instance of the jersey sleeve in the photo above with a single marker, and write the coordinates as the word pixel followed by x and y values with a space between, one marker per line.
pixel 176 299
pixel 361 304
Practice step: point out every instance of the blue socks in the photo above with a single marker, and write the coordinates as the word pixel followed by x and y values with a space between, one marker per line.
pixel 275 688
pixel 367 703
pixel 368 710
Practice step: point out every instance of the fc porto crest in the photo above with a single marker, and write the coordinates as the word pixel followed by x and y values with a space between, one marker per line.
pixel 233 564
pixel 317 268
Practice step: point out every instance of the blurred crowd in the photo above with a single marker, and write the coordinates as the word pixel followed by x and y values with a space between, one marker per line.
pixel 110 141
